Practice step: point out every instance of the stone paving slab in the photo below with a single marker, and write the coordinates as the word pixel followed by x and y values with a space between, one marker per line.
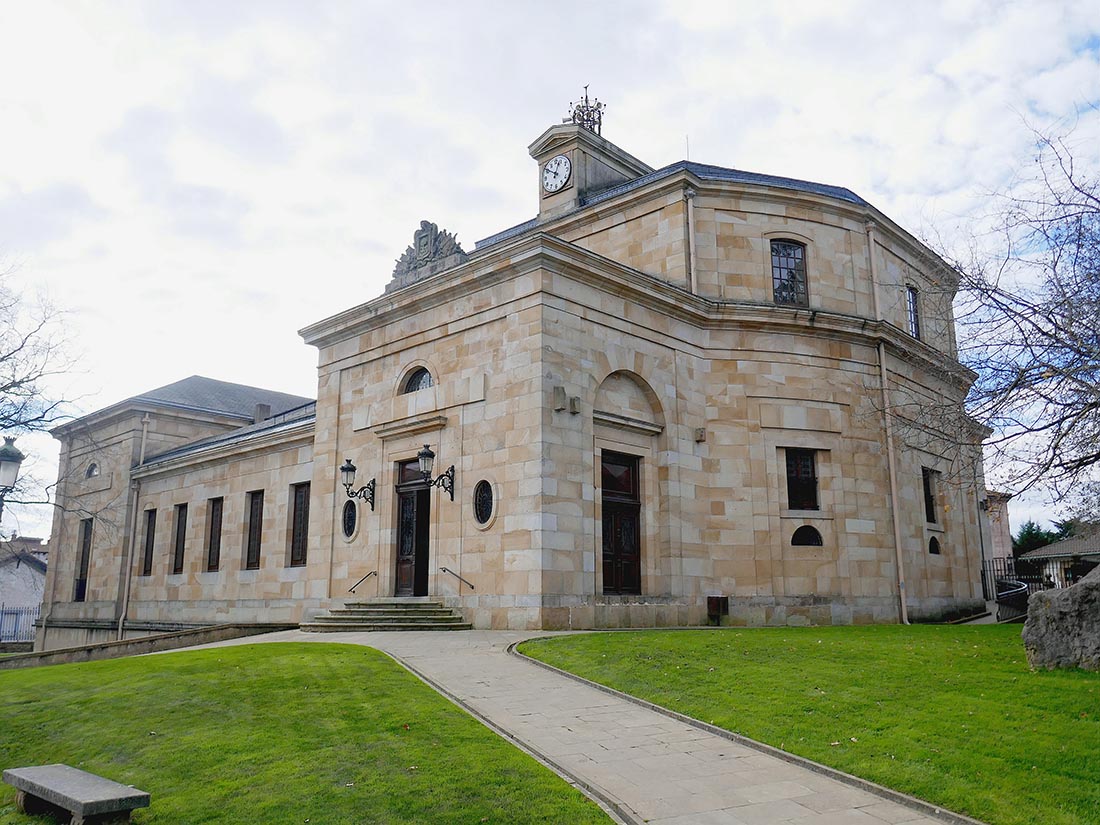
pixel 648 767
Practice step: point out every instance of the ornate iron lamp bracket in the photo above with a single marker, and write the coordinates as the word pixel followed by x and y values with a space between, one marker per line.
pixel 446 482
pixel 366 493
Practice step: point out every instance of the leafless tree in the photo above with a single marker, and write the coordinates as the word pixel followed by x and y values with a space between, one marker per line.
pixel 33 349
pixel 1029 325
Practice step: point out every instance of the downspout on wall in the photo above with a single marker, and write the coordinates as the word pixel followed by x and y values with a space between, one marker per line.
pixel 689 196
pixel 891 458
pixel 128 556
pixel 127 572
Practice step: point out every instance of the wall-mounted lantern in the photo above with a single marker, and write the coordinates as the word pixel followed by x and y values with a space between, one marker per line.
pixel 10 459
pixel 347 476
pixel 446 481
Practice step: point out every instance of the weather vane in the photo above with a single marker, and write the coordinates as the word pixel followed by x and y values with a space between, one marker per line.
pixel 588 114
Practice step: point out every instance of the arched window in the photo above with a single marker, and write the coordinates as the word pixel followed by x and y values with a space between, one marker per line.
pixel 934 546
pixel 789 273
pixel 806 536
pixel 912 303
pixel 419 379
pixel 92 471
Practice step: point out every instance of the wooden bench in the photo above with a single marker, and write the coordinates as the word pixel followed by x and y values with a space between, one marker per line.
pixel 80 797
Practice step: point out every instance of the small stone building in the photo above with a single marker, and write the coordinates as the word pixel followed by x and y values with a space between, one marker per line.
pixel 669 384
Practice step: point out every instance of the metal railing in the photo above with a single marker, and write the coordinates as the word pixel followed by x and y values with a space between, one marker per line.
pixel 453 573
pixel 371 573
pixel 17 623
pixel 1012 599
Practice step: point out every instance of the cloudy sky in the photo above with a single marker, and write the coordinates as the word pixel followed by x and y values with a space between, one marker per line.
pixel 193 182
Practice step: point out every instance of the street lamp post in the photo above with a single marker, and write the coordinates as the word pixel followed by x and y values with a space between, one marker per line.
pixel 10 459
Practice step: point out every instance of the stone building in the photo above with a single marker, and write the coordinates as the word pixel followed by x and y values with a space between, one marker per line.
pixel 670 384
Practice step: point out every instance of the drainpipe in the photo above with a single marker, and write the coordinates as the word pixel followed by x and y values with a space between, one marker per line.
pixel 144 433
pixel 891 459
pixel 689 196
pixel 128 554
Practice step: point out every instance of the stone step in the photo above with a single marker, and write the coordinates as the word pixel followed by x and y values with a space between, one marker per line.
pixel 449 618
pixel 399 613
pixel 352 627
pixel 382 614
pixel 415 609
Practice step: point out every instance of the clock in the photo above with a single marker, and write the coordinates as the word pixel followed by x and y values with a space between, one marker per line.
pixel 555 174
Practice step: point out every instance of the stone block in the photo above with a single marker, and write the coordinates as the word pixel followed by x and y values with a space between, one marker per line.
pixel 1063 626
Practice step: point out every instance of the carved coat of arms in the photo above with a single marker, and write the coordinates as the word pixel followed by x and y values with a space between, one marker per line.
pixel 430 244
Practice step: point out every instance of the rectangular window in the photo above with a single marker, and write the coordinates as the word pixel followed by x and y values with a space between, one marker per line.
pixel 789 273
pixel 911 299
pixel 299 526
pixel 214 533
pixel 801 480
pixel 80 588
pixel 929 495
pixel 254 530
pixel 180 538
pixel 150 535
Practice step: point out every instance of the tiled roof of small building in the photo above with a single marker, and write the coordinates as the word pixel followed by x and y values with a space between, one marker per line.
pixel 1087 545
pixel 703 171
pixel 208 394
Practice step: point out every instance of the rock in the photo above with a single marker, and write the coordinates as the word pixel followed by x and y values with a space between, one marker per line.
pixel 1063 626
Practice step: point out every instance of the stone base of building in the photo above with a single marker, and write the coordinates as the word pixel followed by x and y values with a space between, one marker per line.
pixel 613 612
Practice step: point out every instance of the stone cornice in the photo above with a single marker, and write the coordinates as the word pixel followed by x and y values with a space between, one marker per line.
pixel 300 434
pixel 124 409
pixel 540 250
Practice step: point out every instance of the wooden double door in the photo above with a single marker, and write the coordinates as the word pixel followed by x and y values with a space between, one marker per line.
pixel 413 531
pixel 622 510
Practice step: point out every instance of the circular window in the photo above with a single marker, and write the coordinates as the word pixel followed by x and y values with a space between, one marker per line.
pixel 348 518
pixel 483 501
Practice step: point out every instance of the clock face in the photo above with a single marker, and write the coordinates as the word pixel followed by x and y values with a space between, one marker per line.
pixel 555 174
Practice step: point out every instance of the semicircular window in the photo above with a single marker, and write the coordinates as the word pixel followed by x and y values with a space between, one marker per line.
pixel 419 379
pixel 934 546
pixel 483 501
pixel 92 471
pixel 348 518
pixel 806 536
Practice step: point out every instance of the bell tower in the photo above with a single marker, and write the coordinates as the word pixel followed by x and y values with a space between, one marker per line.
pixel 576 162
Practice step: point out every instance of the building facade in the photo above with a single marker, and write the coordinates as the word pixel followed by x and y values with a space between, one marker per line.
pixel 670 384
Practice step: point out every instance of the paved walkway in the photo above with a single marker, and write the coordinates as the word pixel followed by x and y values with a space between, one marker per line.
pixel 652 768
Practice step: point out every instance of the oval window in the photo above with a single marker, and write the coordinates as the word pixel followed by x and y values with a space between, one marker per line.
pixel 806 536
pixel 419 379
pixel 934 546
pixel 349 518
pixel 483 501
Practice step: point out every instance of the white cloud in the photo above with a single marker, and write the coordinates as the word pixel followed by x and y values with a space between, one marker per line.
pixel 198 180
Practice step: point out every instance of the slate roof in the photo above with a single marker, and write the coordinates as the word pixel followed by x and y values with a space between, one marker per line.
pixel 285 420
pixel 1087 545
pixel 20 557
pixel 703 171
pixel 209 395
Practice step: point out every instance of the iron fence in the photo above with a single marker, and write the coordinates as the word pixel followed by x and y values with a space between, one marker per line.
pixel 17 623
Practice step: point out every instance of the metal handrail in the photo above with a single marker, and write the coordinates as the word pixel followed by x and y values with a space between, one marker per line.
pixel 453 573
pixel 371 573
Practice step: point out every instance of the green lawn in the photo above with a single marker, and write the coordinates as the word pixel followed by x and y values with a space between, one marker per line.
pixel 949 714
pixel 275 733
